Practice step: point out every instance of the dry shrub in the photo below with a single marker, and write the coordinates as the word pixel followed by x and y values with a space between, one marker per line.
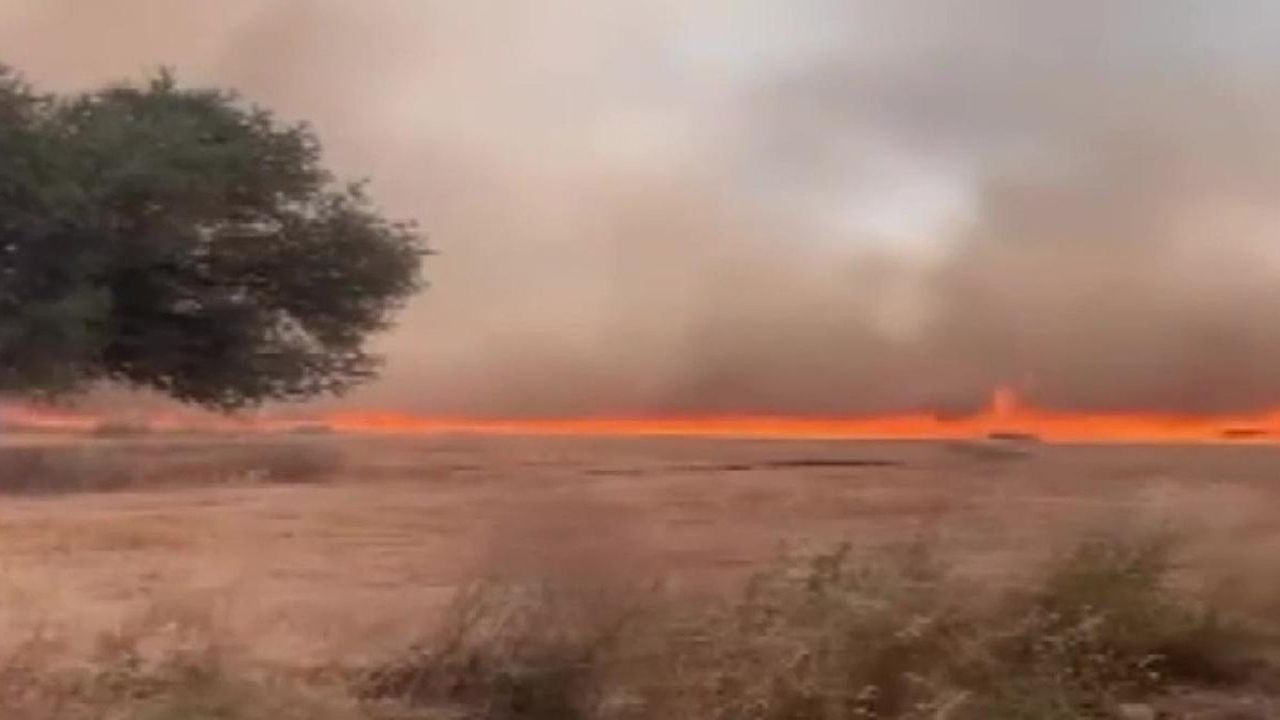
pixel 507 652
pixel 834 636
pixel 819 637
pixel 1104 625
pixel 161 665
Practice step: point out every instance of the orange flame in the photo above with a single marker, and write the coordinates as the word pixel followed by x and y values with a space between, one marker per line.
pixel 1006 416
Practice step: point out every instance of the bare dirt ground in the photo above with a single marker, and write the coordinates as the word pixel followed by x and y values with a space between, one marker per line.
pixel 308 572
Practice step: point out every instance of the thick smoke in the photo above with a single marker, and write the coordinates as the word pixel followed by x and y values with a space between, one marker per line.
pixel 757 206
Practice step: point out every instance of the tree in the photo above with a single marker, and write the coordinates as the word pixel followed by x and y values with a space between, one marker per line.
pixel 183 241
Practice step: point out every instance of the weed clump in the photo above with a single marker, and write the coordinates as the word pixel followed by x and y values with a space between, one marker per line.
pixel 155 670
pixel 837 636
pixel 1105 625
pixel 526 652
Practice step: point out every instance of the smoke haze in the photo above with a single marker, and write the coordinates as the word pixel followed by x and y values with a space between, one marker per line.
pixel 790 206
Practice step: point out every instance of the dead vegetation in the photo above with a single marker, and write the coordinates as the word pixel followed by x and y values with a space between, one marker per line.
pixel 583 619
pixel 106 465
pixel 1100 631
pixel 834 636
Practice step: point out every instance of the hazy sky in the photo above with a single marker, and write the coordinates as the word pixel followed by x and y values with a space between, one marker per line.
pixel 775 205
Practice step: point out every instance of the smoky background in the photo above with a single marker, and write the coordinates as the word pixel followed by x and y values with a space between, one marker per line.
pixel 804 207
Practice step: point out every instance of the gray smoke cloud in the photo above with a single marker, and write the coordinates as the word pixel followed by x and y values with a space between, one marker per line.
pixel 806 206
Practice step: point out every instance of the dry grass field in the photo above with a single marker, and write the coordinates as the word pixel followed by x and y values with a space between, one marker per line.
pixel 297 555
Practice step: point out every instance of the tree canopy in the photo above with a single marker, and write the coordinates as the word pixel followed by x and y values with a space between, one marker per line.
pixel 184 241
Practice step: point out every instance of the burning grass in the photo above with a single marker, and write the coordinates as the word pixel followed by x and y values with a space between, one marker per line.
pixel 1007 418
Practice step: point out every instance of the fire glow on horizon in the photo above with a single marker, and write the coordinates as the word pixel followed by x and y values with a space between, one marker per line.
pixel 1006 416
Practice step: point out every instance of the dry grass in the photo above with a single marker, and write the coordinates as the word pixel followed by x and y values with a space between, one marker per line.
pixel 99 464
pixel 226 597
pixel 892 634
